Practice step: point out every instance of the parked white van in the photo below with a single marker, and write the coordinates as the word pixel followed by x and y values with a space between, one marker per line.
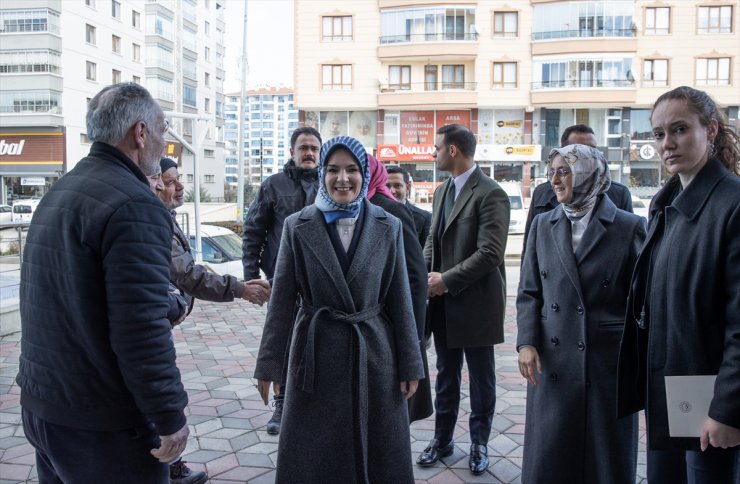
pixel 23 210
pixel 518 218
pixel 222 250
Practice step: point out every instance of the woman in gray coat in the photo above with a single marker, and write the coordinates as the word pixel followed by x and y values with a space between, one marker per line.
pixel 354 356
pixel 570 314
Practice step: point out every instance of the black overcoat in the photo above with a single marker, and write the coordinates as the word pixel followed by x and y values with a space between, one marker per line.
pixel 354 341
pixel 571 308
pixel 692 322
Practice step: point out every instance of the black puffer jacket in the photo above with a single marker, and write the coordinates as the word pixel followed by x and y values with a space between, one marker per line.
pixel 96 349
pixel 281 195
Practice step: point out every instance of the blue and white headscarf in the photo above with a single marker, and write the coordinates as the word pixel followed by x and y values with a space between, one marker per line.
pixel 331 209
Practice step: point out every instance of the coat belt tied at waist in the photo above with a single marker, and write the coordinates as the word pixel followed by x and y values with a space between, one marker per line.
pixel 308 362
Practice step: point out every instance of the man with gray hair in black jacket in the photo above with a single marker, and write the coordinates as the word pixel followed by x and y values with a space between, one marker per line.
pixel 101 396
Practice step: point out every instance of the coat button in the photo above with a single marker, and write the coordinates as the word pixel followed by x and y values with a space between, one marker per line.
pixel 581 346
pixel 579 310
pixel 554 340
pixel 553 376
pixel 555 307
pixel 543 274
pixel 605 283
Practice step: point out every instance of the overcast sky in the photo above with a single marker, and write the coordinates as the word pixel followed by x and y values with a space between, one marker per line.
pixel 269 43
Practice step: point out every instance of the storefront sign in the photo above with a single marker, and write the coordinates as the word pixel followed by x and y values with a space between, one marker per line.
pixel 35 181
pixel 453 117
pixel 647 152
pixel 405 152
pixel 417 127
pixel 12 149
pixel 485 152
pixel 31 152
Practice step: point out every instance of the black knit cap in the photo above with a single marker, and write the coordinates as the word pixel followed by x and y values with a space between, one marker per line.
pixel 167 163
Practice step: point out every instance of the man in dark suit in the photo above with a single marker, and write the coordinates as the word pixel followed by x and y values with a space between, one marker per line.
pixel 465 256
pixel 543 198
pixel 399 183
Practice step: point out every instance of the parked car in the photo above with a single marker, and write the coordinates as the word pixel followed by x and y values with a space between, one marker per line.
pixel 518 218
pixel 6 214
pixel 640 207
pixel 222 250
pixel 23 210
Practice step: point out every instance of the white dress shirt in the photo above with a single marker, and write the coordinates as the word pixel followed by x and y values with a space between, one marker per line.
pixel 577 229
pixel 346 229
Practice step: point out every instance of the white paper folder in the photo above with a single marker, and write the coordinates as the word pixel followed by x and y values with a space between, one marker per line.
pixel 688 399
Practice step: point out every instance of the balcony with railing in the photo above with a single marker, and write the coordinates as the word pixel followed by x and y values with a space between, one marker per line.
pixel 433 92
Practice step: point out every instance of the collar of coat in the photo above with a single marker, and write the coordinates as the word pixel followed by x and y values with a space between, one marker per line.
pixel 310 228
pixel 695 196
pixel 105 151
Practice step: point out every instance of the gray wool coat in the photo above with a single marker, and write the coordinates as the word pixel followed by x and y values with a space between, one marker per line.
pixel 571 308
pixel 354 340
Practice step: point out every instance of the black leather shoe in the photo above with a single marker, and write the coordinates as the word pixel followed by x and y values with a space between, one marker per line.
pixel 434 452
pixel 478 459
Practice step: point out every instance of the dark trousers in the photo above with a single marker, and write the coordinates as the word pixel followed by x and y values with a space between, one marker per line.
pixel 70 456
pixel 714 466
pixel 482 386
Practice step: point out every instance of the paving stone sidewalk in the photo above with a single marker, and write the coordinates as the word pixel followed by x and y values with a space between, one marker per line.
pixel 216 353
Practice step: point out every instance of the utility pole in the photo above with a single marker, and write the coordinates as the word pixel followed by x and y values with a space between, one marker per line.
pixel 242 124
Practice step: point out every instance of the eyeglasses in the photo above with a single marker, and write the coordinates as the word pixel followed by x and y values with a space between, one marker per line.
pixel 166 126
pixel 560 172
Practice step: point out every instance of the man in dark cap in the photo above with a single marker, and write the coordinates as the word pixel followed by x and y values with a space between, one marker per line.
pixel 196 281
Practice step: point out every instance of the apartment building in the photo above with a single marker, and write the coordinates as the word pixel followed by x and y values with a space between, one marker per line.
pixel 517 72
pixel 56 55
pixel 269 122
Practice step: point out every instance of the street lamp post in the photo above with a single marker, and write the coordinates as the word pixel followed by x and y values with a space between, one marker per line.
pixel 261 159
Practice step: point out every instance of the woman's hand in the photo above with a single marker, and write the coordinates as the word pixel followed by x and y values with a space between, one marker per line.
pixel 408 388
pixel 529 360
pixel 718 435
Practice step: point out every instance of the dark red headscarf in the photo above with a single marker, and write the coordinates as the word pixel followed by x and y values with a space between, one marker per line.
pixel 378 179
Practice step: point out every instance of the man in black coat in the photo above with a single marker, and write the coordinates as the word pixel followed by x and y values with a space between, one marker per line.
pixel 399 183
pixel 281 195
pixel 543 198
pixel 101 396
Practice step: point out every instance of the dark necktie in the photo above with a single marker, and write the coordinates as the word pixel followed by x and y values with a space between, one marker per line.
pixel 449 200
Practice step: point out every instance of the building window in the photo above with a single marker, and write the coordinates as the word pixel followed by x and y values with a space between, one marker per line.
pixel 209 178
pixel 189 69
pixel 189 177
pixel 657 20
pixel 136 52
pixel 427 24
pixel 207 105
pixel 207 54
pixel 655 72
pixel 115 9
pixel 207 27
pixel 453 77
pixel 430 78
pixel 399 77
pixel 116 44
pixel 189 95
pixel 115 76
pixel 84 139
pixel 136 80
pixel 90 74
pixel 336 29
pixel 157 24
pixel 336 77
pixel 29 20
pixel 574 73
pixel 713 71
pixel 715 20
pixel 90 34
pixel 135 19
pixel 161 88
pixel 504 75
pixel 160 56
pixel 505 24
pixel 208 79
pixel 37 60
pixel 30 102
pixel 90 3
pixel 563 20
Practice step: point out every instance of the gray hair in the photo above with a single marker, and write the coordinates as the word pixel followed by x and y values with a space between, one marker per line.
pixel 115 109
